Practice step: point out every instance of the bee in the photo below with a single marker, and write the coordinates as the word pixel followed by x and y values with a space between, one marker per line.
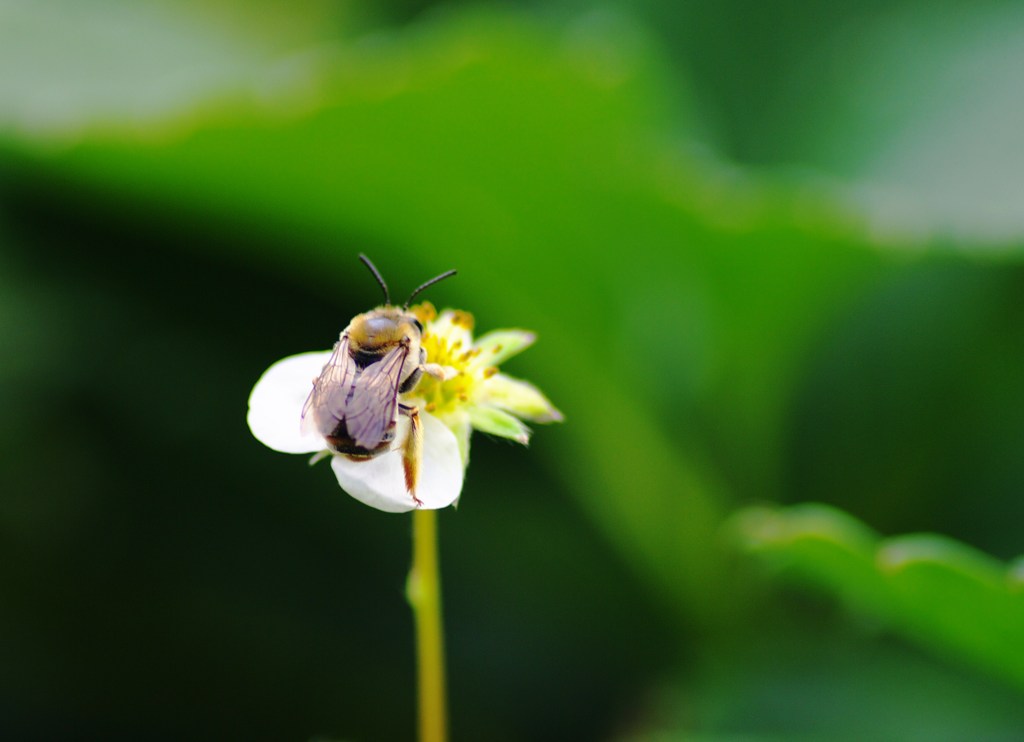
pixel 354 403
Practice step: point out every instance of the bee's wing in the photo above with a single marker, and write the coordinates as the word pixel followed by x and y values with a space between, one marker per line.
pixel 370 409
pixel 325 405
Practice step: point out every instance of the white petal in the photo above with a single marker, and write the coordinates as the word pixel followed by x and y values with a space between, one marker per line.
pixel 463 429
pixel 275 405
pixel 519 397
pixel 380 482
pixel 491 420
pixel 498 346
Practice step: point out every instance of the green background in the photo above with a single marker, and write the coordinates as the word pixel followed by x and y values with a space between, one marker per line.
pixel 773 255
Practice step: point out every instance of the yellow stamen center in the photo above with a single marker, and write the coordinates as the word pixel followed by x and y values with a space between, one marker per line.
pixel 442 398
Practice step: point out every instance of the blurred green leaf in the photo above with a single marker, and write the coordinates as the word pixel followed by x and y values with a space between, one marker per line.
pixel 937 591
pixel 815 681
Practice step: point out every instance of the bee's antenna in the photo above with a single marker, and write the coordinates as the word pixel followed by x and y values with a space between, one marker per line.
pixel 431 282
pixel 379 277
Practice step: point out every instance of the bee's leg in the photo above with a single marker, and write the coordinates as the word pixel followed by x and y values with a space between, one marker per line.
pixel 319 456
pixel 412 449
pixel 439 372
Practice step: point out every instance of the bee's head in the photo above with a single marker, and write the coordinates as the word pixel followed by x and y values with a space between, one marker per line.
pixel 387 325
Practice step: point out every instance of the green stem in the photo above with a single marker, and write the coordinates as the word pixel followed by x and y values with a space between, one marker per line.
pixel 424 593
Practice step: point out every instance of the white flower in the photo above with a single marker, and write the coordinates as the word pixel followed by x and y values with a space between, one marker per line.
pixel 473 395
